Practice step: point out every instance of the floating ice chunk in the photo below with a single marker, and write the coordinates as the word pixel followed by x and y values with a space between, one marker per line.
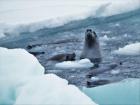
pixel 84 63
pixel 106 32
pixel 115 72
pixel 117 24
pixel 104 38
pixel 95 78
pixel 126 92
pixel 126 35
pixel 51 90
pixel 130 49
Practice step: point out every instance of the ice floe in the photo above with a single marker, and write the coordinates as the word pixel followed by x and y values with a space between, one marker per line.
pixel 130 49
pixel 114 72
pixel 104 38
pixel 126 92
pixel 84 63
pixel 28 16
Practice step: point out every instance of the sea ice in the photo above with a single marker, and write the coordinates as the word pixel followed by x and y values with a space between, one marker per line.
pixel 22 81
pixel 84 63
pixel 51 90
pixel 28 15
pixel 16 66
pixel 114 72
pixel 95 78
pixel 130 49
pixel 126 92
pixel 104 38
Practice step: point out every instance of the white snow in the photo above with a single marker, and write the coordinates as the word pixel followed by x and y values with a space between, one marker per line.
pixel 18 59
pixel 16 66
pixel 30 15
pixel 83 63
pixel 22 81
pixel 130 49
pixel 51 90
pixel 126 92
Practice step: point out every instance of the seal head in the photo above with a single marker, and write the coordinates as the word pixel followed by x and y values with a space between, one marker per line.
pixel 91 48
pixel 90 38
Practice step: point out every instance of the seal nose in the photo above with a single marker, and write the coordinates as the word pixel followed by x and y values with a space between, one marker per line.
pixel 89 35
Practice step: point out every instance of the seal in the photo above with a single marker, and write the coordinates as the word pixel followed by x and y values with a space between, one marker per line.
pixel 63 57
pixel 30 46
pixel 91 48
pixel 36 53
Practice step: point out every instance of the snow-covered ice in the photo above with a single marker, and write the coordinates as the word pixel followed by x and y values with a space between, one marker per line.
pixel 13 60
pixel 16 66
pixel 83 63
pixel 130 49
pixel 22 15
pixel 24 12
pixel 51 90
pixel 22 81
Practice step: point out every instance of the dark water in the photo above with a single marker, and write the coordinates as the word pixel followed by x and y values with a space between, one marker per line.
pixel 120 29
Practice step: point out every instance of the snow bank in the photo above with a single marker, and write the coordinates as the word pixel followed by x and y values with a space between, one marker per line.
pixel 32 15
pixel 130 49
pixel 22 81
pixel 126 92
pixel 13 60
pixel 84 63
pixel 16 66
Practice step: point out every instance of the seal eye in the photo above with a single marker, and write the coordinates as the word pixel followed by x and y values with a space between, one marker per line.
pixel 89 30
